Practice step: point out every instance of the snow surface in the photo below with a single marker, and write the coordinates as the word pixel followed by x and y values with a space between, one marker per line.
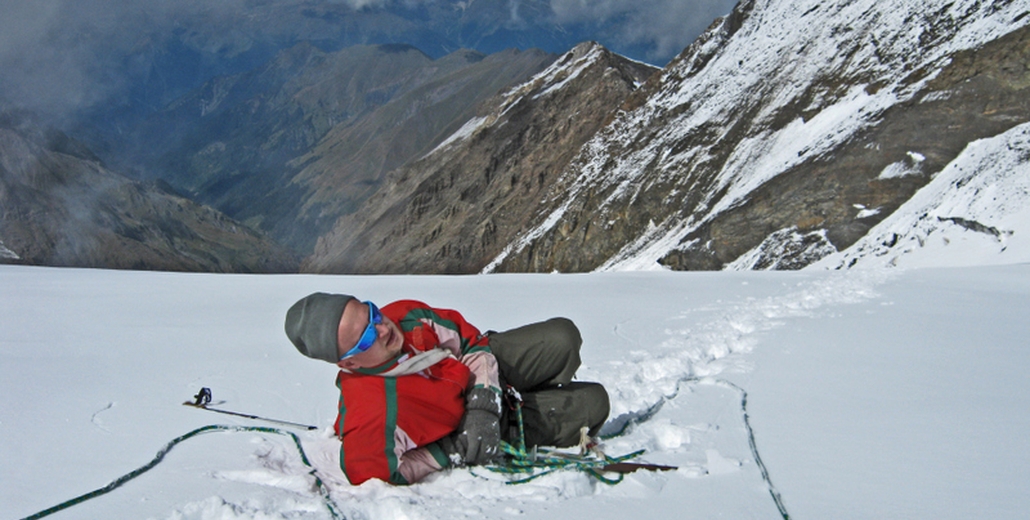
pixel 872 393
pixel 467 130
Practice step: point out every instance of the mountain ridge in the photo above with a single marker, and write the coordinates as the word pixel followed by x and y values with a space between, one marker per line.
pixel 292 146
pixel 451 209
pixel 741 107
pixel 783 135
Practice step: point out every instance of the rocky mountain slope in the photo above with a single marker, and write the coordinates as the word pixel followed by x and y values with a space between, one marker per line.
pixel 456 207
pixel 344 168
pixel 291 146
pixel 788 133
pixel 973 212
pixel 784 133
pixel 62 207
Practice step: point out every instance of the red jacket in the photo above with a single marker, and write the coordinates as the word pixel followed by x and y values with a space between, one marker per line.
pixel 386 423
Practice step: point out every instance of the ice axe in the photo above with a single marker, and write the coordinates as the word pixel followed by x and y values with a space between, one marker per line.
pixel 203 399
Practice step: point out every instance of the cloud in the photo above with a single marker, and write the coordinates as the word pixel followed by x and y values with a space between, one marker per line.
pixel 62 55
pixel 34 65
pixel 360 4
pixel 666 26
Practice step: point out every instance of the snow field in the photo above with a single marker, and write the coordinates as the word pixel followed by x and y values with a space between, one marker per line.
pixel 97 363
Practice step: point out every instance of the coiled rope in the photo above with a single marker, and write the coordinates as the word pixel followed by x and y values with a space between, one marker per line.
pixel 543 461
pixel 323 491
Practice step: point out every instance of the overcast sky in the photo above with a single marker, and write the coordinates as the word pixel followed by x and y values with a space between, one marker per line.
pixel 67 54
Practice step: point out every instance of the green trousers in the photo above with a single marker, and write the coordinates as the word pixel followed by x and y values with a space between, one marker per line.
pixel 539 360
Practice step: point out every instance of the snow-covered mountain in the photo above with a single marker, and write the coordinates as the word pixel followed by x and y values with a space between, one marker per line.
pixel 974 212
pixel 790 129
pixel 788 133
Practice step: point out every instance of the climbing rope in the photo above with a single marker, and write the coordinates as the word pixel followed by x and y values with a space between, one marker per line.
pixel 777 499
pixel 323 491
pixel 653 410
pixel 538 462
pixel 533 463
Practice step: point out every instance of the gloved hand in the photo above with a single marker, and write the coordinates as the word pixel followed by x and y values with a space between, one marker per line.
pixel 477 439
pixel 455 453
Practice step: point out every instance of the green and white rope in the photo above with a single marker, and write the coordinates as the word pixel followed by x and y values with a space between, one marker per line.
pixel 544 461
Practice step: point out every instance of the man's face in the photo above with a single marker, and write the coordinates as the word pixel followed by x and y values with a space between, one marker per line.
pixel 355 319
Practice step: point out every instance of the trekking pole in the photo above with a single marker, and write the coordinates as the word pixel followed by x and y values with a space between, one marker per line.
pixel 203 398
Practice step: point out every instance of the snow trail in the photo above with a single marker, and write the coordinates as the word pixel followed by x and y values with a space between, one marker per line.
pixel 714 345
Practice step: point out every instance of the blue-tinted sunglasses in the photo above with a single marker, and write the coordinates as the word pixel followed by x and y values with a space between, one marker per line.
pixel 370 335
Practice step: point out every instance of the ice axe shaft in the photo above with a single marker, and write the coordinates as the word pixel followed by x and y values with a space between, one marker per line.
pixel 203 397
pixel 630 467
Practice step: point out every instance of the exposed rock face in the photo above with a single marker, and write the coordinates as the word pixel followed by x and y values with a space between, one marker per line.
pixel 457 207
pixel 294 145
pixel 61 207
pixel 351 161
pixel 789 128
pixel 974 212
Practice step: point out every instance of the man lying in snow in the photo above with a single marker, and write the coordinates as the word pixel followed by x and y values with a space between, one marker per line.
pixel 421 388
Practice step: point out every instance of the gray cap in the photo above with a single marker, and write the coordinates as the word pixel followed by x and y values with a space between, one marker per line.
pixel 312 324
